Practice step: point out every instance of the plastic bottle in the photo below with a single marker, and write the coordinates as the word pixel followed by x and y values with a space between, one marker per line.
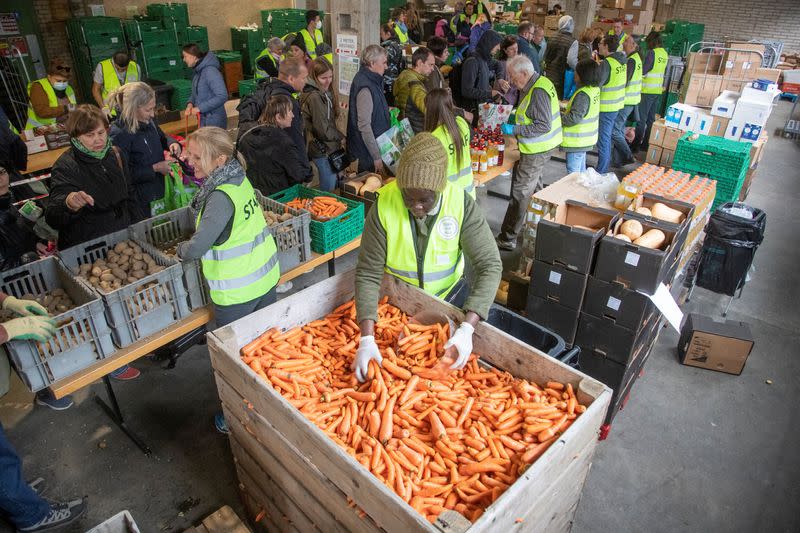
pixel 484 162
pixel 476 160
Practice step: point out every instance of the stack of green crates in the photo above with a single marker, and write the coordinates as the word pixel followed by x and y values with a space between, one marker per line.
pixel 155 49
pixel 173 16
pixel 679 35
pixel 721 159
pixel 182 91
pixel 247 87
pixel 197 35
pixel 93 39
pixel 250 43
pixel 505 28
pixel 228 56
pixel 279 22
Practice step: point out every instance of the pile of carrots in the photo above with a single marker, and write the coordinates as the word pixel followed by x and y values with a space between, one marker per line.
pixel 441 440
pixel 320 207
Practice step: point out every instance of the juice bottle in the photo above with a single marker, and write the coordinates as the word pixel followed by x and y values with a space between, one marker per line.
pixel 626 192
pixel 476 160
pixel 501 149
pixel 484 162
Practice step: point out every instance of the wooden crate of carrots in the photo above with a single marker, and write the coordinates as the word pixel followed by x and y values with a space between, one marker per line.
pixel 504 444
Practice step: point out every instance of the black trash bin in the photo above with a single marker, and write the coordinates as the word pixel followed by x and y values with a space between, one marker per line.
pixel 733 235
pixel 533 334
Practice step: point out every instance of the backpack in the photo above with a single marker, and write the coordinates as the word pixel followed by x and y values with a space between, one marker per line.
pixel 251 106
pixel 454 81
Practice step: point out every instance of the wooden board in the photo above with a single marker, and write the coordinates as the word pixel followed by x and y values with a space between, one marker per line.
pixel 510 157
pixel 272 425
pixel 223 520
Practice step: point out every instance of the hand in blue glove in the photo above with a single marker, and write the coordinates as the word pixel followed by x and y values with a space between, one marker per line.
pixel 507 129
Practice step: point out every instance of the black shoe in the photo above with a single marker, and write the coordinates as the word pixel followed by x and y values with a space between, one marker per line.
pixel 60 515
pixel 508 246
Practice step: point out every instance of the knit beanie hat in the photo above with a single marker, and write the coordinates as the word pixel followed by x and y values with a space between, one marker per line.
pixel 423 164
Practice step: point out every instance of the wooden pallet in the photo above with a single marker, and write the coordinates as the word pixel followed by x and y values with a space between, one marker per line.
pixel 224 520
pixel 294 478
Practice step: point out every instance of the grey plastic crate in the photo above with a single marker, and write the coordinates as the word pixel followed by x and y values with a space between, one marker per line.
pixel 167 230
pixel 82 336
pixel 141 308
pixel 293 237
pixel 121 522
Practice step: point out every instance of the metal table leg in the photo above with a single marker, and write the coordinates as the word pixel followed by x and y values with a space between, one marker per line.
pixel 332 267
pixel 114 413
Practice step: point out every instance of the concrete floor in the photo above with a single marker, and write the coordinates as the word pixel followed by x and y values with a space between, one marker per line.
pixel 693 450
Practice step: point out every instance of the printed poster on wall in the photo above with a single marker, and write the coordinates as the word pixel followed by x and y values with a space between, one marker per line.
pixel 348 67
pixel 8 24
pixel 347 44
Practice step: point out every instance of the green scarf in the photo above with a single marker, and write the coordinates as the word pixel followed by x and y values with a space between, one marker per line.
pixel 100 154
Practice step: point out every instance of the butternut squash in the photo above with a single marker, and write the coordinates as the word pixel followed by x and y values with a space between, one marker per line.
pixel 632 229
pixel 623 237
pixel 653 238
pixel 664 212
pixel 644 211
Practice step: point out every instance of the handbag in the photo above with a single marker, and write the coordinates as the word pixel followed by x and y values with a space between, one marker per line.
pixel 339 159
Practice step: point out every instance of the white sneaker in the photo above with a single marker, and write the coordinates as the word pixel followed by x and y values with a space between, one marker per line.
pixel 284 287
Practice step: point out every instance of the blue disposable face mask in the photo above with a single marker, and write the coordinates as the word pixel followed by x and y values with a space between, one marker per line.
pixel 60 85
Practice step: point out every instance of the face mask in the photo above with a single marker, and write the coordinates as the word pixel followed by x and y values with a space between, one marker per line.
pixel 60 85
pixel 319 24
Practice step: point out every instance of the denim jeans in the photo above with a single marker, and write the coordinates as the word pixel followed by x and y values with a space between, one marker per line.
pixel 576 162
pixel 604 140
pixel 620 151
pixel 17 500
pixel 647 115
pixel 327 176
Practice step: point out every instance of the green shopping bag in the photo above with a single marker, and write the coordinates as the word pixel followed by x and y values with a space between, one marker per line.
pixel 176 194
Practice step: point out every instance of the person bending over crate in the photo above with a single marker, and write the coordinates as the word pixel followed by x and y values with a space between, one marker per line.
pixel 419 231
pixel 20 502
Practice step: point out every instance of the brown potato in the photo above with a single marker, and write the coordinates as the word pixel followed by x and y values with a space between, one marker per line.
pixel 107 277
pixel 119 273
pixel 121 247
pixel 96 271
pixel 138 274
pixel 94 280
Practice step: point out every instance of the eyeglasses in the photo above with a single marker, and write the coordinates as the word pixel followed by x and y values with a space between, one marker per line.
pixel 64 69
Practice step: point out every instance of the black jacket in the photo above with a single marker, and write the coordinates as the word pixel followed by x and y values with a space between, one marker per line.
pixel 104 180
pixel 17 239
pixel 555 59
pixel 13 151
pixel 274 160
pixel 141 150
pixel 251 107
pixel 479 71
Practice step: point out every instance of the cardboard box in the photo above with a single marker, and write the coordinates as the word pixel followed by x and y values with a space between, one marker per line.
pixel 748 181
pixel 743 131
pixel 718 126
pixel 657 132
pixel 558 284
pixel 36 144
pixel 703 123
pixel 771 74
pixel 653 154
pixel 666 158
pixel 704 63
pixel 757 150
pixel 559 319
pixel 752 112
pixel 551 22
pixel 600 335
pixel 637 267
pixel 636 16
pixel 558 242
pixel 649 199
pixel 681 116
pixel 721 346
pixel 607 13
pixel 639 4
pixel 611 300
pixel 725 104
pixel 611 3
pixel 703 89
pixel 761 91
pixel 671 138
pixel 732 85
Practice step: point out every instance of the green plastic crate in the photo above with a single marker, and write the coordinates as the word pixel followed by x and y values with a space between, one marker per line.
pixel 161 64
pixel 247 87
pixel 713 155
pixel 181 93
pixel 165 74
pixel 108 33
pixel 175 11
pixel 330 235
pixel 228 56
pixel 250 43
pixel 197 35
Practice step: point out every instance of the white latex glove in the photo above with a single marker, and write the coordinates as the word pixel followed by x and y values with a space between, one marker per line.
pixel 367 351
pixel 462 340
pixel 24 307
pixel 36 328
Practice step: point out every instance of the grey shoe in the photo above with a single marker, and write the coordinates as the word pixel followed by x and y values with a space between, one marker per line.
pixel 508 246
pixel 60 515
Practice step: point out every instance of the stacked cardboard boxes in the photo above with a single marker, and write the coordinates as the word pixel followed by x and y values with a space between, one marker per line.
pixel 566 245
pixel 638 14
pixel 662 144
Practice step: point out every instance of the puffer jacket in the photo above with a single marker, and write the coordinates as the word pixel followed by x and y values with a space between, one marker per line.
pixel 274 160
pixel 209 92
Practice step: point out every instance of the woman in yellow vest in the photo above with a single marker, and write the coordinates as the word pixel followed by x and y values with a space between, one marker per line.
pixel 581 117
pixel 653 68
pixel 268 61
pixel 454 134
pixel 111 74
pixel 613 75
pixel 51 98
pixel 401 27
pixel 419 231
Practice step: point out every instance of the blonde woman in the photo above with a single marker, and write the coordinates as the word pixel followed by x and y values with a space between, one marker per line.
pixel 141 142
pixel 232 241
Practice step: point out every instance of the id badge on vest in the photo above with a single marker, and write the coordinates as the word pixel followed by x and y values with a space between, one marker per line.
pixel 447 229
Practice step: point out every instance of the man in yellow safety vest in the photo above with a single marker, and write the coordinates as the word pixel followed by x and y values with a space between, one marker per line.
pixel 621 154
pixel 654 67
pixel 112 73
pixel 613 75
pixel 312 36
pixel 269 59
pixel 537 125
pixel 419 231
pixel 619 31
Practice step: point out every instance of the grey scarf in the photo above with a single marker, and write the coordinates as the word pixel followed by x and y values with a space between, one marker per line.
pixel 227 172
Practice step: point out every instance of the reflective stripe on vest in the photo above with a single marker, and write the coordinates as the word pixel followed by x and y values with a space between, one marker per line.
pixel 259 72
pixel 401 35
pixel 244 267
pixel 653 81
pixel 110 79
pixel 633 91
pixel 442 265
pixel 459 172
pixel 612 94
pixel 551 139
pixel 312 42
pixel 584 133
pixel 34 120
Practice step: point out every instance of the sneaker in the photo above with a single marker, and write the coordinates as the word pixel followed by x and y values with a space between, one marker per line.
pixel 506 245
pixel 126 373
pixel 284 287
pixel 221 424
pixel 38 485
pixel 45 397
pixel 60 515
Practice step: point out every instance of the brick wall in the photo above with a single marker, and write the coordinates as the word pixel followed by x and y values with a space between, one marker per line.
pixel 52 15
pixel 745 19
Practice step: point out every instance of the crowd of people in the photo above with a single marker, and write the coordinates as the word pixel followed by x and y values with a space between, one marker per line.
pixel 572 93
